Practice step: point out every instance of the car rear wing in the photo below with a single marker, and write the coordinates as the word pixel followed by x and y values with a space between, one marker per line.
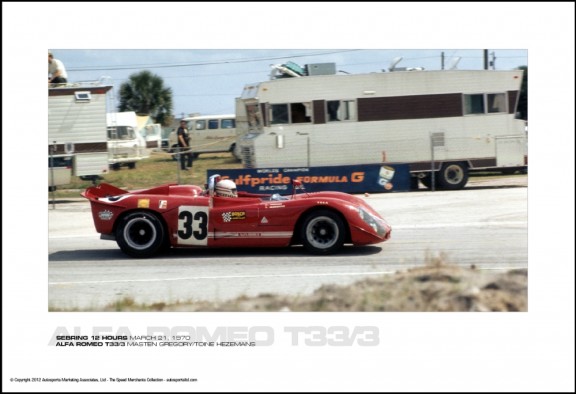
pixel 102 190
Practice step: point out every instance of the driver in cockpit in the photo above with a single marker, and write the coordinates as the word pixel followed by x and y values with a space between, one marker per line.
pixel 226 188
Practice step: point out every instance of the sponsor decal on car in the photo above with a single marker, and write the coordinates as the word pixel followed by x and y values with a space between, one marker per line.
pixel 105 215
pixel 268 234
pixel 144 203
pixel 229 216
pixel 275 205
pixel 163 204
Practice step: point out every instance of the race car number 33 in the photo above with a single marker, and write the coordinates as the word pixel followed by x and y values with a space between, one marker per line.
pixel 193 225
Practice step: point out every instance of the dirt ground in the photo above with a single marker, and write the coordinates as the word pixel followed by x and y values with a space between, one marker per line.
pixel 516 180
pixel 440 288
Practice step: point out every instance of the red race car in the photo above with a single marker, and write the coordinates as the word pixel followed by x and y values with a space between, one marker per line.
pixel 145 222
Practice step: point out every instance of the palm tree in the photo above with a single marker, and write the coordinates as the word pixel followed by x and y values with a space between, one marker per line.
pixel 145 94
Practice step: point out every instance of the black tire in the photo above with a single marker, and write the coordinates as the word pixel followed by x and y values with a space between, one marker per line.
pixel 140 234
pixel 132 165
pixel 452 176
pixel 323 232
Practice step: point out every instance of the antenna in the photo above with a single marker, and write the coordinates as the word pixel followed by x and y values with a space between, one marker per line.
pixel 394 62
pixel 454 63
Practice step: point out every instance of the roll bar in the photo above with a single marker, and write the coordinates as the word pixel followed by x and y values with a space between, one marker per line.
pixel 212 181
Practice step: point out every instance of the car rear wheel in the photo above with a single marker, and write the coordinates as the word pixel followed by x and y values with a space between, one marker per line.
pixel 323 232
pixel 140 234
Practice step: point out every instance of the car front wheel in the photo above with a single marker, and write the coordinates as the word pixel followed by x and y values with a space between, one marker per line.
pixel 140 234
pixel 323 232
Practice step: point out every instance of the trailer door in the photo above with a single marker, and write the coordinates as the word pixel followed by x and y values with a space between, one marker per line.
pixel 510 151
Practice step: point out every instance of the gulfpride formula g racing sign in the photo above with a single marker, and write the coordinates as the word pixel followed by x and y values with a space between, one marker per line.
pixel 365 178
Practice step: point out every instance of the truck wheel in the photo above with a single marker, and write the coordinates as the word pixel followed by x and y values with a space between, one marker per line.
pixel 452 176
pixel 323 232
pixel 132 165
pixel 140 234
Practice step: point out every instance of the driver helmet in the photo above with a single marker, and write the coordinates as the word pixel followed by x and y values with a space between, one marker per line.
pixel 226 188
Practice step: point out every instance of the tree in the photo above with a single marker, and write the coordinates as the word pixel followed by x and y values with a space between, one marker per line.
pixel 145 94
pixel 523 99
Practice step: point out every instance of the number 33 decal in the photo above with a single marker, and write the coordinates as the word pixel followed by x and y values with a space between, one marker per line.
pixel 193 225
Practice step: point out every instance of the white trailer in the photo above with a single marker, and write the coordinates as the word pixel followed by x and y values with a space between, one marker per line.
pixel 77 140
pixel 445 123
pixel 124 144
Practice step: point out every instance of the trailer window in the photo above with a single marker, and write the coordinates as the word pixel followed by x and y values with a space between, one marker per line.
pixel 279 113
pixel 484 103
pixel 300 113
pixel 290 113
pixel 496 102
pixel 473 104
pixel 60 161
pixel 83 96
pixel 337 110
pixel 332 110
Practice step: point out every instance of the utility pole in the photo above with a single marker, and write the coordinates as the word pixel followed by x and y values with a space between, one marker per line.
pixel 493 61
pixel 485 59
pixel 442 61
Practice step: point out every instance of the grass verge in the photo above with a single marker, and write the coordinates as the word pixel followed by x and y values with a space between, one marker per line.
pixel 160 168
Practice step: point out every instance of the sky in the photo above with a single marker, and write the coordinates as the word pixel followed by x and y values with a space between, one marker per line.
pixel 206 81
pixel 94 38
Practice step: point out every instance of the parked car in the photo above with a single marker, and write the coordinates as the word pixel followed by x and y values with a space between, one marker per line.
pixel 146 222
pixel 208 134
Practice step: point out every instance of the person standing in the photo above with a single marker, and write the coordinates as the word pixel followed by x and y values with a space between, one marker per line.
pixel 183 143
pixel 56 70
